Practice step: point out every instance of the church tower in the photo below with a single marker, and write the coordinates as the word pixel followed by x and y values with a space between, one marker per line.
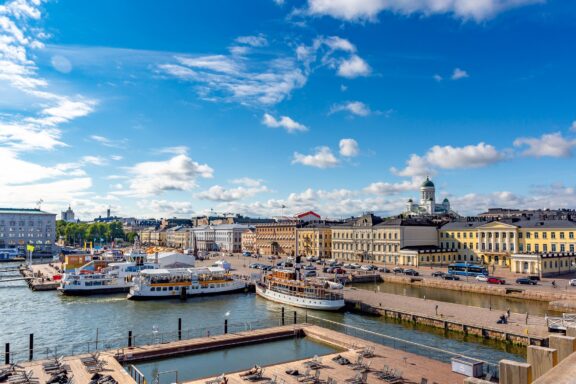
pixel 428 196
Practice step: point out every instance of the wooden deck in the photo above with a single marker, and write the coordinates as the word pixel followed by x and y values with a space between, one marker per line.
pixel 413 367
pixel 79 372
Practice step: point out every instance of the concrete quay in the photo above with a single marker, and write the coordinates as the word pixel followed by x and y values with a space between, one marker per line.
pixel 413 367
pixel 476 321
pixel 40 277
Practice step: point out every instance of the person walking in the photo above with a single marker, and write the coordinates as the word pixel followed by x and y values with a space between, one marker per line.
pixel 436 309
pixel 526 318
pixel 508 313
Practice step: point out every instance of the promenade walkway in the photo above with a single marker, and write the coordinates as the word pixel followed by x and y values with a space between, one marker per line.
pixel 442 311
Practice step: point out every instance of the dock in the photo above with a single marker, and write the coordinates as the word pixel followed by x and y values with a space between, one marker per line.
pixel 481 322
pixel 40 277
pixel 412 367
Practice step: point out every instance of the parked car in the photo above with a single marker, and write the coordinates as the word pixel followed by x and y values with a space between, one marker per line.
pixel 339 271
pixel 438 274
pixel 572 282
pixel 266 267
pixel 254 265
pixel 248 254
pixel 368 268
pixel 534 277
pixel 525 280
pixel 309 267
pixel 482 278
pixel 398 270
pixel 356 265
pixel 450 277
pixel 309 273
pixel 411 272
pixel 383 269
pixel 496 280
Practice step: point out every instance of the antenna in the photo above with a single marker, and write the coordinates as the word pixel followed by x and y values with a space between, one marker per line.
pixel 39 204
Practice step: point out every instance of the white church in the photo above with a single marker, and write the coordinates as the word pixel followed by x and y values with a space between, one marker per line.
pixel 427 205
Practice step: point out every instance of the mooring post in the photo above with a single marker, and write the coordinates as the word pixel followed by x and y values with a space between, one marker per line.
pixel 129 339
pixel 7 354
pixel 282 315
pixel 31 351
pixel 295 318
pixel 179 328
pixel 225 326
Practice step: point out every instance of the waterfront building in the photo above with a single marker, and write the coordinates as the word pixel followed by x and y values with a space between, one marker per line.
pixel 514 243
pixel 20 226
pixel 222 238
pixel 248 239
pixel 427 205
pixel 178 237
pixel 353 240
pixel 421 256
pixel 67 215
pixel 393 235
pixel 315 239
pixel 277 238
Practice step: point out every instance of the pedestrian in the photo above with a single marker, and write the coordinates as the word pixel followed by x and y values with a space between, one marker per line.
pixel 526 318
pixel 436 309
pixel 508 313
pixel 553 283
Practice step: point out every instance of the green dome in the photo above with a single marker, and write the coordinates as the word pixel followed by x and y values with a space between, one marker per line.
pixel 446 200
pixel 427 183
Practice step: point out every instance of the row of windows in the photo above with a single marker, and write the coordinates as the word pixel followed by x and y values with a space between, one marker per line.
pixel 377 235
pixel 510 235
pixel 367 247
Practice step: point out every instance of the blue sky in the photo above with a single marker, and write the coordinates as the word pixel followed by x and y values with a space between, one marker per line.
pixel 339 106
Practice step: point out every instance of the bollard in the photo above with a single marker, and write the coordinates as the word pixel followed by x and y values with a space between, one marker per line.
pixel 129 339
pixel 225 326
pixel 282 315
pixel 179 328
pixel 31 354
pixel 295 318
pixel 7 354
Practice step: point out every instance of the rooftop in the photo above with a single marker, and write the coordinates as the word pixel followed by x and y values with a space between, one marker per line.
pixel 24 211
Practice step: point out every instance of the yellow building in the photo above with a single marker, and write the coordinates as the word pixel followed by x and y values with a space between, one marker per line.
pixel 515 243
pixel 276 238
pixel 427 256
pixel 315 239
pixel 248 240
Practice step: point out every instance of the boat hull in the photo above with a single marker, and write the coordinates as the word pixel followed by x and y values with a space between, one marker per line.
pixel 90 292
pixel 317 304
pixel 237 288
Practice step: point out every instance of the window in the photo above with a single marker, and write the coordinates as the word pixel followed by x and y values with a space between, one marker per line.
pixel 527 235
pixel 553 235
pixel 571 235
pixel 535 235
pixel 545 248
pixel 536 247
pixel 562 235
pixel 562 248
pixel 553 247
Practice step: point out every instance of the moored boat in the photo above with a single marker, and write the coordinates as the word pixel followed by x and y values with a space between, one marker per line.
pixel 184 282
pixel 284 286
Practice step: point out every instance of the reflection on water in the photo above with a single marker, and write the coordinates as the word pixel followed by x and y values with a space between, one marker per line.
pixel 516 305
pixel 234 359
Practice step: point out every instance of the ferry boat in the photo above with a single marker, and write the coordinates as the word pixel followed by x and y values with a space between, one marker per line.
pixel 283 286
pixel 184 282
pixel 113 278
pixel 10 254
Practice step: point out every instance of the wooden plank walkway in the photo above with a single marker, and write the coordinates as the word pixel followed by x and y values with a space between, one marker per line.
pixel 79 372
pixel 413 367
pixel 208 343
pixel 470 316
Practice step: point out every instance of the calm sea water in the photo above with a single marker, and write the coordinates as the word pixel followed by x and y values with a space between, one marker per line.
pixel 234 359
pixel 57 320
pixel 501 303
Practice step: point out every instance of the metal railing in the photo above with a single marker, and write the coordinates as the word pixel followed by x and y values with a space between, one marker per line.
pixel 400 344
pixel 136 374
pixel 119 344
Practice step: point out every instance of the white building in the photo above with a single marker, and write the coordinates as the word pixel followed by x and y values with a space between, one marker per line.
pixel 67 215
pixel 19 227
pixel 427 205
pixel 223 238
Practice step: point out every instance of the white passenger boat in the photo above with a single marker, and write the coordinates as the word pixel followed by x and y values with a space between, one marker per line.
pixel 114 278
pixel 283 286
pixel 184 282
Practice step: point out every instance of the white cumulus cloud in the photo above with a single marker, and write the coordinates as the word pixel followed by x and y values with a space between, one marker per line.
pixel 458 74
pixel 547 145
pixel 322 158
pixel 349 148
pixel 357 108
pixel 354 67
pixel 284 122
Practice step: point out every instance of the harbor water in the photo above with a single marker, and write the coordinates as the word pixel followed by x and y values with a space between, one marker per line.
pixel 57 321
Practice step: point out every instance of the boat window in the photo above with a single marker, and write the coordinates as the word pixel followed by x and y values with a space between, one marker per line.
pixel 152 289
pixel 164 288
pixel 170 288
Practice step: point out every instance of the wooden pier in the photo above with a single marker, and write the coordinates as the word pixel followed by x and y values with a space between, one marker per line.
pixel 40 277
pixel 477 321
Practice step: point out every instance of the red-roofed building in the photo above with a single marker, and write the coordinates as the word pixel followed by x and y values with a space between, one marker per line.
pixel 308 216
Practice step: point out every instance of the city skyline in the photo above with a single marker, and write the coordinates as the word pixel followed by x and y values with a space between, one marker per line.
pixel 338 107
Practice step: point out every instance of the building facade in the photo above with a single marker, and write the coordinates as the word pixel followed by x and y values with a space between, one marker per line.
pixel 277 238
pixel 220 238
pixel 19 227
pixel 315 239
pixel 353 240
pixel 68 215
pixel 427 204
pixel 248 240
pixel 394 235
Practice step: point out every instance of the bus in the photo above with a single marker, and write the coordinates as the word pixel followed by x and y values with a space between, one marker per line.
pixel 465 269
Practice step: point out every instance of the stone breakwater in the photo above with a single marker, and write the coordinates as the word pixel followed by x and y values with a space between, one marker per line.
pixel 557 301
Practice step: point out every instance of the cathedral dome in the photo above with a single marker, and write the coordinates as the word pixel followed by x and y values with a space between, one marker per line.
pixel 446 200
pixel 427 183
